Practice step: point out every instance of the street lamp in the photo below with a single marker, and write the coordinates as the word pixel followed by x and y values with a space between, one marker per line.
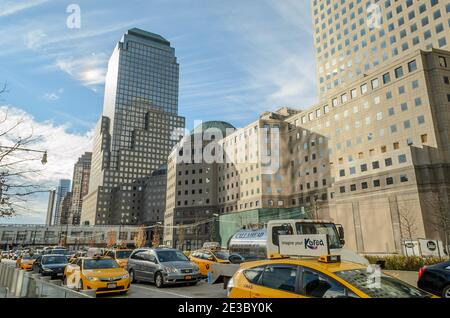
pixel 44 152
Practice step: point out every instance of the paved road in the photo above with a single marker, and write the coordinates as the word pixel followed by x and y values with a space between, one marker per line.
pixel 147 290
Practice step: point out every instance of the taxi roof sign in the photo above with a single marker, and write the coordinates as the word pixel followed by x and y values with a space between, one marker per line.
pixel 304 245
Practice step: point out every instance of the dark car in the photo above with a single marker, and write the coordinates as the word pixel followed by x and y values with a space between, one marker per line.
pixel 435 279
pixel 50 265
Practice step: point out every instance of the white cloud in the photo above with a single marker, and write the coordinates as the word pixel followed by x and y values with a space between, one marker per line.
pixel 33 39
pixel 63 149
pixel 12 7
pixel 90 71
pixel 54 96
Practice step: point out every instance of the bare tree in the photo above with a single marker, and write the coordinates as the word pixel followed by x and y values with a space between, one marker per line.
pixel 408 224
pixel 14 174
pixel 440 216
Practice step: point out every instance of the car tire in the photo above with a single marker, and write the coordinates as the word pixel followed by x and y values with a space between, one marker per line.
pixel 446 292
pixel 80 285
pixel 133 279
pixel 159 280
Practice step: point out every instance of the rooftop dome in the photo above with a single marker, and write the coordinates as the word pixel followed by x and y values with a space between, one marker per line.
pixel 214 125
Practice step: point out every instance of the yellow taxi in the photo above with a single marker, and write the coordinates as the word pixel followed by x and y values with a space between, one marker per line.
pixel 101 273
pixel 205 257
pixel 326 277
pixel 26 261
pixel 120 255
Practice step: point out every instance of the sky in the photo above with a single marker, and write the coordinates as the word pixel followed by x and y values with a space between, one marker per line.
pixel 237 59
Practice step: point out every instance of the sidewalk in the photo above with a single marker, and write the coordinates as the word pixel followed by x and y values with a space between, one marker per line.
pixel 409 277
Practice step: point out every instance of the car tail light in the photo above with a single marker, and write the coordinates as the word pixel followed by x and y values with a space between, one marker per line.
pixel 421 271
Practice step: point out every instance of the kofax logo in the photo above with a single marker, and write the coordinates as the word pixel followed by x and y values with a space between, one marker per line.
pixel 313 244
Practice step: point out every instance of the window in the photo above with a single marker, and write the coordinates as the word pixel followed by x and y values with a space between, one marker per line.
pixel 375 164
pixel 335 102
pixel 342 189
pixel 364 185
pixel 421 120
pixel 254 274
pixel 398 72
pixel 404 178
pixel 364 89
pixel 375 83
pixel 407 124
pixel 342 173
pixel 376 183
pixel 424 138
pixel 396 145
pixel 281 277
pixel 388 162
pixel 318 285
pixel 404 107
pixel 412 66
pixel 393 128
pixel 402 159
pixel 386 78
pixel 389 180
pixel 442 61
pixel 353 93
pixel 364 167
pixel 353 187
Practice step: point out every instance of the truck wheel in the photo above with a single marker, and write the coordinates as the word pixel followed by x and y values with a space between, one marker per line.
pixel 159 280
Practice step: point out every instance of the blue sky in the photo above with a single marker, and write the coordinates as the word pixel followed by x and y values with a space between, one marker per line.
pixel 237 58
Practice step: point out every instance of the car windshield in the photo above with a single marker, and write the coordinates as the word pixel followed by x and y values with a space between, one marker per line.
pixel 123 254
pixel 171 256
pixel 100 263
pixel 56 259
pixel 386 287
pixel 29 256
pixel 222 255
pixel 321 228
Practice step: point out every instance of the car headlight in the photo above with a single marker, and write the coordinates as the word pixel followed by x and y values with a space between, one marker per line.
pixel 196 268
pixel 91 279
pixel 47 270
pixel 170 270
pixel 125 276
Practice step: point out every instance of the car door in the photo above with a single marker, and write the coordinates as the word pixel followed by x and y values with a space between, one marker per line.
pixel 315 284
pixel 277 281
pixel 135 264
pixel 152 265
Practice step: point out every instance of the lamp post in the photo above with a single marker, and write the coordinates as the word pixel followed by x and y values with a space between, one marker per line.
pixel 44 152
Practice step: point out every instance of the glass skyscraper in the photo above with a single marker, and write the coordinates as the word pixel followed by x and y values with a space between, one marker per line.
pixel 136 131
pixel 61 191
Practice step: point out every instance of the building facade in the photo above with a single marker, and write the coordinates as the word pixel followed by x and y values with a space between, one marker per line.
pixel 352 37
pixel 61 190
pixel 80 186
pixel 138 127
pixel 374 158
pixel 16 235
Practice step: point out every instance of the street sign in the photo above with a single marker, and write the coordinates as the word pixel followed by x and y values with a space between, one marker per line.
pixel 304 245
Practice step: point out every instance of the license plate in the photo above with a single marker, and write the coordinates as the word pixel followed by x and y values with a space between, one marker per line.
pixel 59 274
pixel 114 285
pixel 187 277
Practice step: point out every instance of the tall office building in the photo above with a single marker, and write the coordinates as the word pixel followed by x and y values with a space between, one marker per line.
pixel 351 37
pixel 80 187
pixel 61 190
pixel 136 131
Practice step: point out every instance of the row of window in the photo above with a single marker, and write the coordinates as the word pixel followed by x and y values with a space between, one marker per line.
pixel 375 183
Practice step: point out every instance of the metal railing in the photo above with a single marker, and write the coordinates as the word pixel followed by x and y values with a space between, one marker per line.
pixel 17 283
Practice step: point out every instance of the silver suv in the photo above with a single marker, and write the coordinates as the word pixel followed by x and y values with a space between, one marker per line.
pixel 162 266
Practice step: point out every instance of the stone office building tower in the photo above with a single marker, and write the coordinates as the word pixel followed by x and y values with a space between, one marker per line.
pixel 135 134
